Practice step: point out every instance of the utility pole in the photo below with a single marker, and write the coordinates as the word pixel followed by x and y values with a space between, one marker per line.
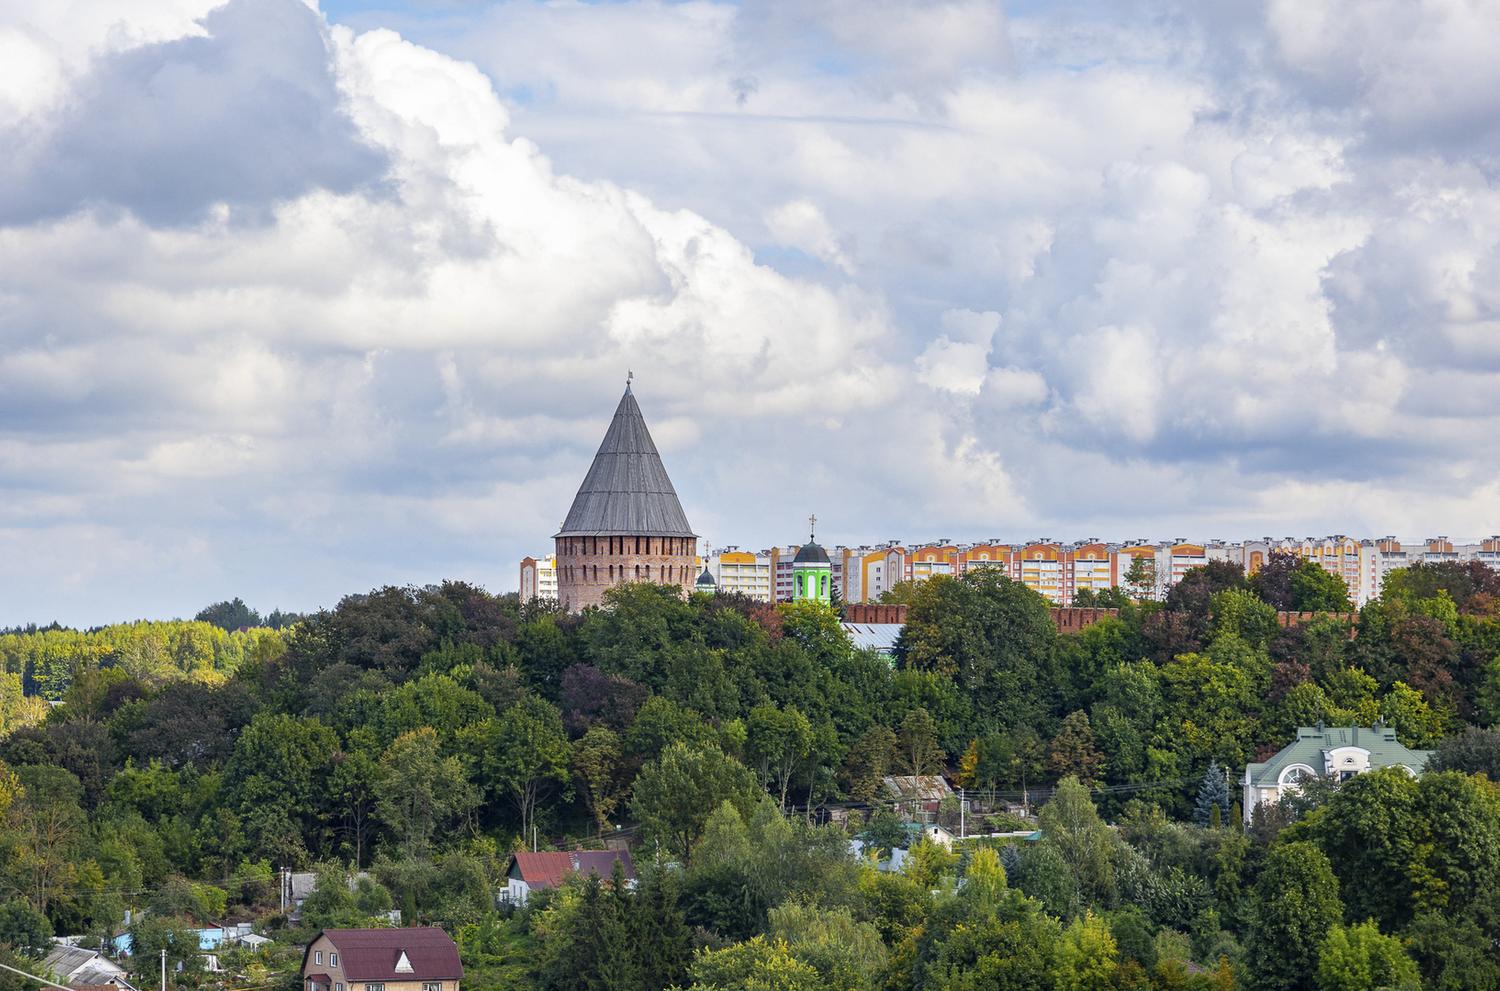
pixel 164 969
pixel 963 831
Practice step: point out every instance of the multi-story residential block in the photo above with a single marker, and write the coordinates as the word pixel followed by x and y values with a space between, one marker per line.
pixel 864 571
pixel 1056 570
pixel 538 578
pixel 741 572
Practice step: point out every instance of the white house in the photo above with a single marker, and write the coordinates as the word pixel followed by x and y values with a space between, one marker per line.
pixel 1337 752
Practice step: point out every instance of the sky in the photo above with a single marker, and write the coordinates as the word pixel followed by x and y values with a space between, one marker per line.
pixel 298 301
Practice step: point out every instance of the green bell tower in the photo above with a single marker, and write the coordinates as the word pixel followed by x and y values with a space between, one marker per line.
pixel 812 572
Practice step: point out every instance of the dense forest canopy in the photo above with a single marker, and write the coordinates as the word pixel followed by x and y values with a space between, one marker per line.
pixel 422 734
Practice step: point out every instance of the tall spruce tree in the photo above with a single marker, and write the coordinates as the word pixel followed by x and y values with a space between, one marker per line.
pixel 660 931
pixel 1213 793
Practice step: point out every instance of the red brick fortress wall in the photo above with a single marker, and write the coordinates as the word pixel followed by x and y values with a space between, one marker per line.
pixel 1067 619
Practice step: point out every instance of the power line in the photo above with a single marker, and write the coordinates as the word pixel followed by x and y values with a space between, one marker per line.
pixel 40 980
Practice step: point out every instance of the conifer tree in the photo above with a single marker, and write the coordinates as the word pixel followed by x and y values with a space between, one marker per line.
pixel 660 932
pixel 1213 794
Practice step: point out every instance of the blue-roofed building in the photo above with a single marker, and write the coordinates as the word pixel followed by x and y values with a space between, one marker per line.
pixel 1337 752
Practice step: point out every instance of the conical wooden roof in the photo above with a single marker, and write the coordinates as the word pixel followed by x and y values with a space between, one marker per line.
pixel 627 491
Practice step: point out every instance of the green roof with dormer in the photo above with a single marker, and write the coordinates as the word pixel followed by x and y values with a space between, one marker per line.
pixel 1315 748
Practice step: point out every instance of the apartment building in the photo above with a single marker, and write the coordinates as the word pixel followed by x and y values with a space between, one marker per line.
pixel 1058 571
pixel 538 578
pixel 742 572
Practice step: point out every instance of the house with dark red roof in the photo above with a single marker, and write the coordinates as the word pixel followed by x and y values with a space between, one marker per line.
pixel 415 959
pixel 540 871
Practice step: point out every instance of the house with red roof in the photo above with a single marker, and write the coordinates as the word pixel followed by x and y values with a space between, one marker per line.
pixel 540 871
pixel 416 959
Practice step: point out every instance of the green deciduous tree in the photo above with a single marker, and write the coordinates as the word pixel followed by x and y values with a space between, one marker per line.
pixel 1073 751
pixel 525 755
pixel 420 791
pixel 1070 823
pixel 1086 956
pixel 777 742
pixel 1360 957
pixel 917 749
pixel 1296 904
pixel 990 633
pixel 596 761
pixel 674 794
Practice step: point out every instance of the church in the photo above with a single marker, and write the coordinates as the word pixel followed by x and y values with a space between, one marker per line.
pixel 625 524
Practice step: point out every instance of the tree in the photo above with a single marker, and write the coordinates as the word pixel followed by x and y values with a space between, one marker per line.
pixel 1140 577
pixel 526 754
pixel 1296 904
pixel 596 765
pixel 1086 956
pixel 1273 582
pixel 777 741
pixel 968 766
pixel 278 775
pixel 1073 751
pixel 845 952
pixel 1213 793
pixel 420 790
pixel 49 828
pixel 356 770
pixel 674 794
pixel 659 930
pixel 1360 957
pixel 150 935
pixel 1401 845
pixel 1473 750
pixel 989 634
pixel 868 762
pixel 25 930
pixel 757 964
pixel 1070 823
pixel 1316 589
pixel 231 615
pixel 917 749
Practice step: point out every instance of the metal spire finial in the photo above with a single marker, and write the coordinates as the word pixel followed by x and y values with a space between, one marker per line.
pixel 812 528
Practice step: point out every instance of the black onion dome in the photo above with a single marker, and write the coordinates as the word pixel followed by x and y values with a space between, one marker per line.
pixel 811 553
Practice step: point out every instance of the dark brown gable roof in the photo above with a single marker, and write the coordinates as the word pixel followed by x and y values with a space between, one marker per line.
pixel 371 954
pixel 627 491
pixel 547 870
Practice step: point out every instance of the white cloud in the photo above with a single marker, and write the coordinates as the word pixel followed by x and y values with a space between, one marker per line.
pixel 336 293
pixel 800 224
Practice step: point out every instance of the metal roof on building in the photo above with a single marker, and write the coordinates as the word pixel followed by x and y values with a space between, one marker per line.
pixel 1314 744
pixel 627 491
pixel 879 637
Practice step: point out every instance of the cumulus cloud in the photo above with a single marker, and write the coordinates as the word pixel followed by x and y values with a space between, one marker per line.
pixel 290 308
pixel 801 225
pixel 241 117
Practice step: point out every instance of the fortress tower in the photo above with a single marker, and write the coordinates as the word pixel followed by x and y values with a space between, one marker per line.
pixel 625 524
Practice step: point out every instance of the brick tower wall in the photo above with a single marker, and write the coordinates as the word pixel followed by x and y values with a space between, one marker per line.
pixel 588 566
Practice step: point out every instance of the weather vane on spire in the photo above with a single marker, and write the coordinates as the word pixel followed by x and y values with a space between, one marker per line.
pixel 812 527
